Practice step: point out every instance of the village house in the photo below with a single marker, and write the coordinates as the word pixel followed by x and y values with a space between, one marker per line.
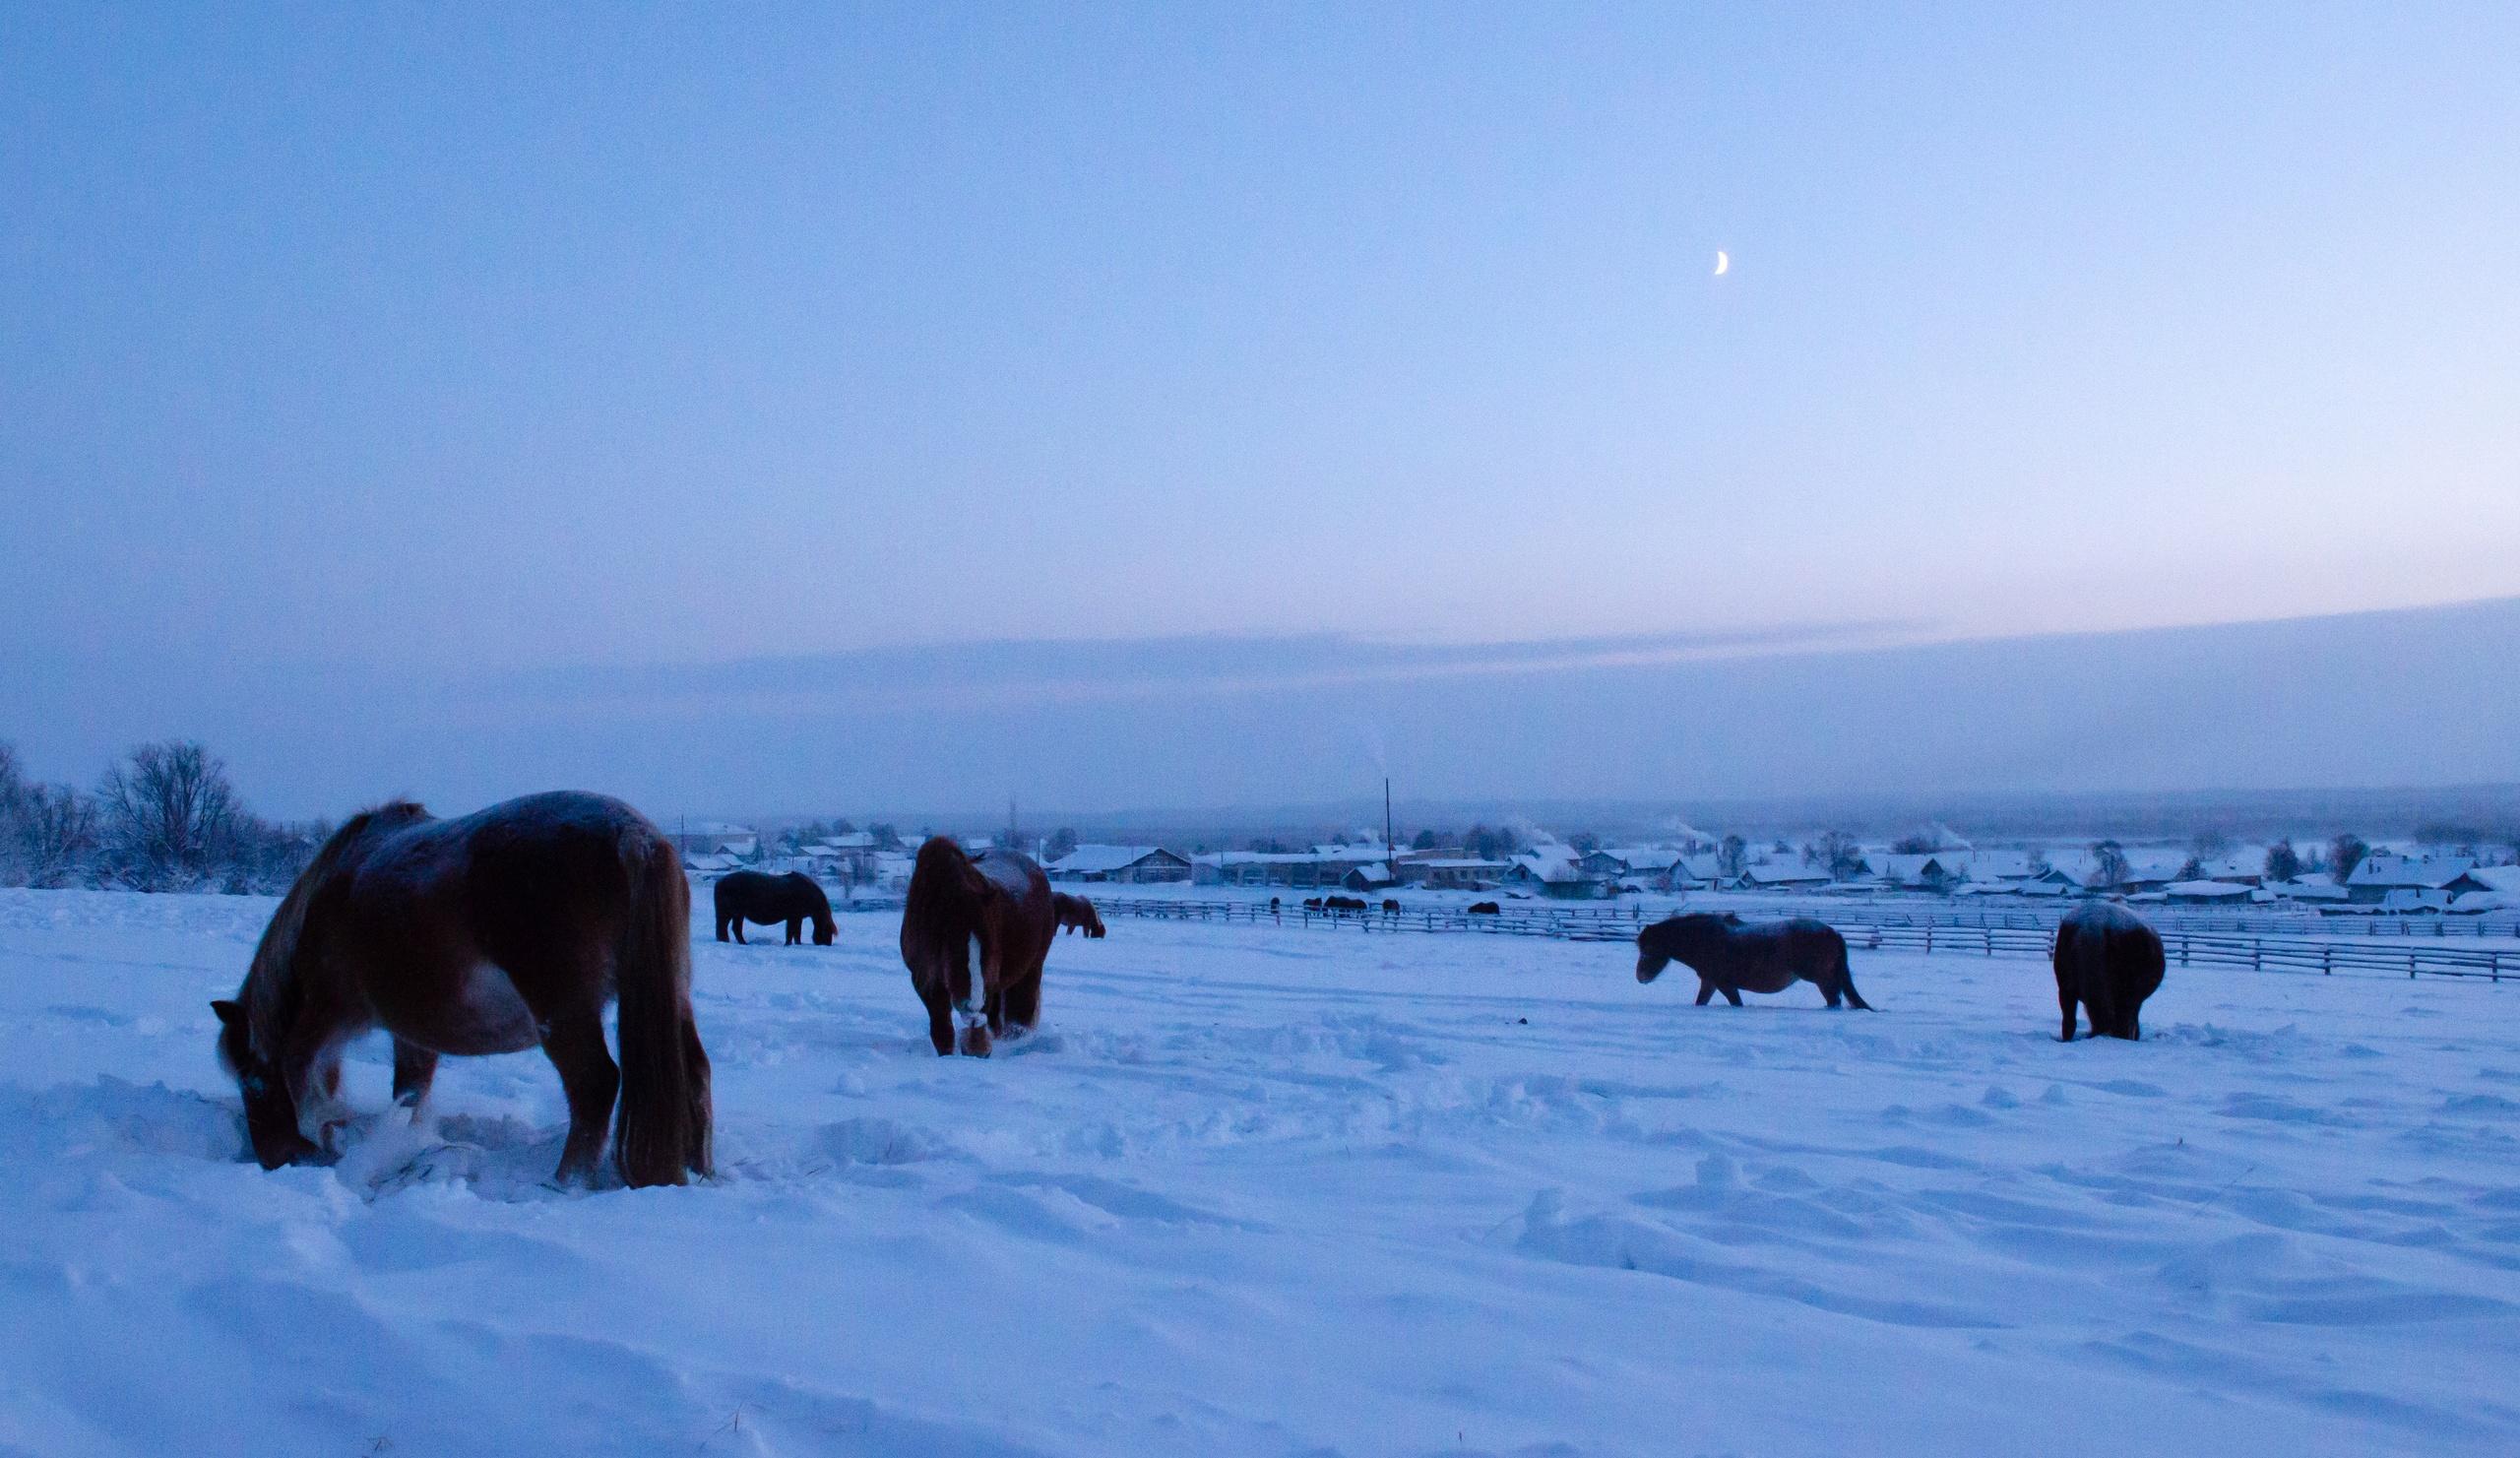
pixel 2399 882
pixel 1125 864
pixel 1453 872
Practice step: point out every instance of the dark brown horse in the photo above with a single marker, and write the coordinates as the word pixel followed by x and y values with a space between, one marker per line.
pixel 489 934
pixel 1076 914
pixel 765 899
pixel 1731 957
pixel 974 934
pixel 2109 961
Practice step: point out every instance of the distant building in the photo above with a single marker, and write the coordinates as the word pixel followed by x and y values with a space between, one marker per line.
pixel 1558 872
pixel 1938 870
pixel 716 837
pixel 1128 865
pixel 2378 878
pixel 1321 867
pixel 1452 872
pixel 1781 875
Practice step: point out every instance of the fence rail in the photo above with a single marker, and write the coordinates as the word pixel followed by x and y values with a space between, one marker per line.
pixel 1867 929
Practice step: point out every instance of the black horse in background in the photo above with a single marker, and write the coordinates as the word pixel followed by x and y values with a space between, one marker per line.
pixel 1731 957
pixel 752 895
pixel 2109 961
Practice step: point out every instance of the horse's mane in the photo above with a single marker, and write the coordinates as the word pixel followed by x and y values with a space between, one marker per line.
pixel 269 993
pixel 946 899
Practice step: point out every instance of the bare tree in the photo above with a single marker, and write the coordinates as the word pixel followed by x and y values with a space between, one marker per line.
pixel 2211 843
pixel 1062 841
pixel 2283 862
pixel 1837 853
pixel 169 818
pixel 1731 858
pixel 2343 854
pixel 55 828
pixel 2109 867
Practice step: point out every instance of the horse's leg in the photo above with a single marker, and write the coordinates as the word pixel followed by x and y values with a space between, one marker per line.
pixel 2101 1003
pixel 415 1069
pixel 1024 1002
pixel 739 931
pixel 1829 990
pixel 940 1022
pixel 310 1068
pixel 721 926
pixel 2133 1033
pixel 574 1043
pixel 1732 995
pixel 2066 999
pixel 796 931
pixel 1704 991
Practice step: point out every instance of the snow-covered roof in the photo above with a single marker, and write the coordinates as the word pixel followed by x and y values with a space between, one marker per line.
pixel 2503 878
pixel 2415 872
pixel 1092 861
pixel 1783 873
pixel 1554 864
pixel 2208 890
pixel 1460 863
pixel 2000 865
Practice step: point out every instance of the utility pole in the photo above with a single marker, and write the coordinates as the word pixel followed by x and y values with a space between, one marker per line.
pixel 1389 849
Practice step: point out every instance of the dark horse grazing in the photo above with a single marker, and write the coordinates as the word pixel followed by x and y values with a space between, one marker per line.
pixel 489 934
pixel 2109 961
pixel 763 900
pixel 974 934
pixel 1076 914
pixel 1732 958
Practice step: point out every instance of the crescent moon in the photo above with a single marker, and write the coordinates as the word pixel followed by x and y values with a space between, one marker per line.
pixel 1723 262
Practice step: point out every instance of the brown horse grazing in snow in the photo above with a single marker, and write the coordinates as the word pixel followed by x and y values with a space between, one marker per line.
pixel 1733 958
pixel 765 899
pixel 1076 914
pixel 493 933
pixel 974 932
pixel 2109 961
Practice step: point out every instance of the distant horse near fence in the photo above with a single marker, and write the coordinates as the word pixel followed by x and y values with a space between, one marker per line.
pixel 1076 914
pixel 2110 961
pixel 765 899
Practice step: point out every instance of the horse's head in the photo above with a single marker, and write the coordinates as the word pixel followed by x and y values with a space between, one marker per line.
pixel 271 1115
pixel 271 996
pixel 1676 939
pixel 818 905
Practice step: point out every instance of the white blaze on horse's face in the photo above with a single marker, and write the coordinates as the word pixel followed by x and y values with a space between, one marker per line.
pixel 975 1004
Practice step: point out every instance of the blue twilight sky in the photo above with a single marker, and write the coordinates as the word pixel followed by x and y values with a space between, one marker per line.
pixel 466 336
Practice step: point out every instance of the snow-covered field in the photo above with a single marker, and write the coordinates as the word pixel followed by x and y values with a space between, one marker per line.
pixel 1277 1191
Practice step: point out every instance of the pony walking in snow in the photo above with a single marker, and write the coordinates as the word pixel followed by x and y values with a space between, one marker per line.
pixel 500 931
pixel 2109 961
pixel 1732 957
pixel 974 932
pixel 765 899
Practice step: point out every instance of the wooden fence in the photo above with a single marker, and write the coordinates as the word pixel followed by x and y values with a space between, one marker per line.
pixel 1868 929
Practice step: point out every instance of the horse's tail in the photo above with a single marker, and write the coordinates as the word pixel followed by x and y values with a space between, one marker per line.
pixel 665 1119
pixel 1846 977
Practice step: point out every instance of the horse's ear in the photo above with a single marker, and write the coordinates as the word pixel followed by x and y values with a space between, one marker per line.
pixel 229 1012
